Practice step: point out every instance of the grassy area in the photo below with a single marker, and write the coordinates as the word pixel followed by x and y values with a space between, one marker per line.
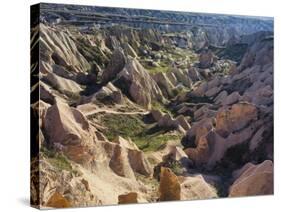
pixel 158 69
pixel 146 136
pixel 163 67
pixel 122 125
pixel 161 107
pixel 57 160
pixel 165 63
pixel 154 142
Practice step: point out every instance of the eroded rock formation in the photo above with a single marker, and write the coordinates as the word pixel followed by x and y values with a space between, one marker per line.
pixel 129 113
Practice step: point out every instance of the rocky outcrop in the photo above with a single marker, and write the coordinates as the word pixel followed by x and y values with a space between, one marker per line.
pixel 231 128
pixel 206 111
pixel 137 161
pixel 181 120
pixel 171 157
pixel 113 163
pixel 164 157
pixel 241 117
pixel 60 188
pixel 206 59
pixel 253 180
pixel 220 97
pixel 108 95
pixel 58 47
pixel 135 81
pixel 235 118
pixel 209 89
pixel 196 187
pixel 184 76
pixel 169 188
pixel 259 53
pixel 65 86
pixel 129 50
pixel 164 84
pixel 231 99
pixel 128 198
pixel 68 127
pixel 167 122
pixel 46 93
pixel 42 107
pixel 194 74
pixel 156 115
pixel 116 64
pixel 58 201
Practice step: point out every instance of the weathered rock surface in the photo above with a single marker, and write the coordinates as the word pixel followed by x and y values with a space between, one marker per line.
pixel 57 46
pixel 138 84
pixel 230 130
pixel 253 180
pixel 156 114
pixel 59 189
pixel 108 94
pixel 195 187
pixel 164 84
pixel 58 201
pixel 170 152
pixel 128 198
pixel 46 93
pixel 235 118
pixel 65 86
pixel 169 187
pixel 129 50
pixel 241 116
pixel 136 160
pixel 167 122
pixel 185 76
pixel 116 64
pixel 231 99
pixel 181 120
pixel 68 127
pixel 206 59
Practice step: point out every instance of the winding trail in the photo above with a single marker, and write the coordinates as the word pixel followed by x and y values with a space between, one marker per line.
pixel 89 109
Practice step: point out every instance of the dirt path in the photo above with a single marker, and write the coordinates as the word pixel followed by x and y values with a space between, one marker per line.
pixel 91 109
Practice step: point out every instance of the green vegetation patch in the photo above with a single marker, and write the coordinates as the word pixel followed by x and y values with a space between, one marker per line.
pixel 163 67
pixel 122 125
pixel 148 137
pixel 158 69
pixel 56 159
pixel 166 58
pixel 155 142
pixel 161 107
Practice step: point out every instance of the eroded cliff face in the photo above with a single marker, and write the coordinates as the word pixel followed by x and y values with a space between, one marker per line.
pixel 123 111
